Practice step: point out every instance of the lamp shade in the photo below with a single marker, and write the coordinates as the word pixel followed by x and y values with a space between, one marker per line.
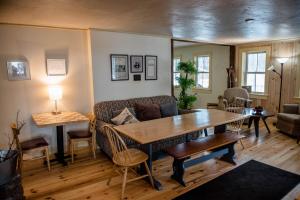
pixel 282 60
pixel 55 92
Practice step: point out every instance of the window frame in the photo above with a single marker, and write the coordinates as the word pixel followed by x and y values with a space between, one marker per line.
pixel 175 71
pixel 255 73
pixel 240 62
pixel 209 55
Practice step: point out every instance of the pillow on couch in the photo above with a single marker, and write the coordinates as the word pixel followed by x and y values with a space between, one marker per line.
pixel 117 112
pixel 168 110
pixel 125 117
pixel 146 112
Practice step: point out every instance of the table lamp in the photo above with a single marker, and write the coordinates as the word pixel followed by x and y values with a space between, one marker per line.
pixel 55 94
pixel 272 68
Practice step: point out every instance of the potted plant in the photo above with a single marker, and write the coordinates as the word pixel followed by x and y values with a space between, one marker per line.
pixel 10 165
pixel 186 82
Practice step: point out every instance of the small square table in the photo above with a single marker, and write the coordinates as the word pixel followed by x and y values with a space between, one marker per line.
pixel 58 120
pixel 256 118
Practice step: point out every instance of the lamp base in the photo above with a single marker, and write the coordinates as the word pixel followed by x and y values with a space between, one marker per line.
pixel 55 113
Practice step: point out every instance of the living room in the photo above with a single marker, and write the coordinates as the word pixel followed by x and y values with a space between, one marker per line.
pixel 96 61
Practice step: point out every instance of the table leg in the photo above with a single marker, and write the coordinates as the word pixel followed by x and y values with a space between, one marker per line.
pixel 250 122
pixel 157 184
pixel 256 125
pixel 264 120
pixel 220 129
pixel 60 157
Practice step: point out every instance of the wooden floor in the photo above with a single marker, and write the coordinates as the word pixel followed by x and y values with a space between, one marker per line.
pixel 86 178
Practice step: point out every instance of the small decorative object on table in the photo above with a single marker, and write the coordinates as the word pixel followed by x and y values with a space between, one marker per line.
pixel 258 110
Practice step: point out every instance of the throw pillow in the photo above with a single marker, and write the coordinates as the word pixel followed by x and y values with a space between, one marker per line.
pixel 125 117
pixel 146 112
pixel 168 109
pixel 117 112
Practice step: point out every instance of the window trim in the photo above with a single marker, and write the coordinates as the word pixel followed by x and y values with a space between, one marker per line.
pixel 245 72
pixel 204 90
pixel 175 72
pixel 243 50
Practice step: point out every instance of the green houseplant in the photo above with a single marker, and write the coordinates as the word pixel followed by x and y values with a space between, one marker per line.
pixel 186 82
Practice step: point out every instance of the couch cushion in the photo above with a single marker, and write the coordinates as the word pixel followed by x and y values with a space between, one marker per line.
pixel 146 112
pixel 125 117
pixel 163 99
pixel 293 118
pixel 168 109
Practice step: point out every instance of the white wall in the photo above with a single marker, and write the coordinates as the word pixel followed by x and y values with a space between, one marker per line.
pixel 31 96
pixel 220 61
pixel 105 43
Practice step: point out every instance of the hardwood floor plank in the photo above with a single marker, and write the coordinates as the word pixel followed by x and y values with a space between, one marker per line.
pixel 86 178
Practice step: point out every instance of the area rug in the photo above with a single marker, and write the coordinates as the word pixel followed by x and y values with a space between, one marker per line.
pixel 251 181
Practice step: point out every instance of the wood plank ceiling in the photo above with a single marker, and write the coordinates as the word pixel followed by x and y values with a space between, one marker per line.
pixel 216 21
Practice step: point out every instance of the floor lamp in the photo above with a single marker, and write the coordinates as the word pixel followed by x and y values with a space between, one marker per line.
pixel 272 68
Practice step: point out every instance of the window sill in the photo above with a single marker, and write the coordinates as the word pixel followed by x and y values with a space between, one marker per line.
pixel 258 96
pixel 297 99
pixel 200 90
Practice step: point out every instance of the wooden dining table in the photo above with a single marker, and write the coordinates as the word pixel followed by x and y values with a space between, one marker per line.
pixel 149 132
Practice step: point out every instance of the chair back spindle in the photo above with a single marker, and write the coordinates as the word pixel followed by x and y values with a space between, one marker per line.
pixel 118 146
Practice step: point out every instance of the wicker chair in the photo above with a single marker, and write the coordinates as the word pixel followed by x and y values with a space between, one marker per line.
pixel 236 126
pixel 124 158
pixel 88 135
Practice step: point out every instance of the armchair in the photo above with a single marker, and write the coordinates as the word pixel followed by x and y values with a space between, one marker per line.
pixel 289 121
pixel 237 96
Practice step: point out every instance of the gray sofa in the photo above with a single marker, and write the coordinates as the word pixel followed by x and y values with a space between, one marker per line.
pixel 289 120
pixel 104 113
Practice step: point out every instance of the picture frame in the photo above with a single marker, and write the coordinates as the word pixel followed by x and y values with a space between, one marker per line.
pixel 56 67
pixel 150 67
pixel 18 70
pixel 119 67
pixel 136 64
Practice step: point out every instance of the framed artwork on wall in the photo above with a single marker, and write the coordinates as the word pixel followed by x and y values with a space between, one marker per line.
pixel 119 67
pixel 56 67
pixel 18 70
pixel 150 67
pixel 136 64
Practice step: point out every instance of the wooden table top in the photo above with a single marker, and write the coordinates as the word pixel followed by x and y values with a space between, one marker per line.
pixel 49 119
pixel 159 129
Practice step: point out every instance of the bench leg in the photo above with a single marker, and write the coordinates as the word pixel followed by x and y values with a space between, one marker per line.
pixel 178 171
pixel 229 157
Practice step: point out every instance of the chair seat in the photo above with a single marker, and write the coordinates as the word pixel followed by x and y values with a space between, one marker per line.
pixel 34 143
pixel 292 118
pixel 79 134
pixel 137 157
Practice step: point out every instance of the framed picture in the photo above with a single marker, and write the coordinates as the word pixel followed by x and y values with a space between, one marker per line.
pixel 56 67
pixel 119 67
pixel 18 70
pixel 136 64
pixel 150 67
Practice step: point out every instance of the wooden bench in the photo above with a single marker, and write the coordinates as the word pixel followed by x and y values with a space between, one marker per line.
pixel 221 144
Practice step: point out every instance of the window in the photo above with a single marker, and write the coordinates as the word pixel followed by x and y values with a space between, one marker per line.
pixel 203 72
pixel 255 70
pixel 176 73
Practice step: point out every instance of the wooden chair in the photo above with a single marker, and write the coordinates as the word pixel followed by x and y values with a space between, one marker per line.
pixel 236 126
pixel 29 145
pixel 124 158
pixel 88 135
